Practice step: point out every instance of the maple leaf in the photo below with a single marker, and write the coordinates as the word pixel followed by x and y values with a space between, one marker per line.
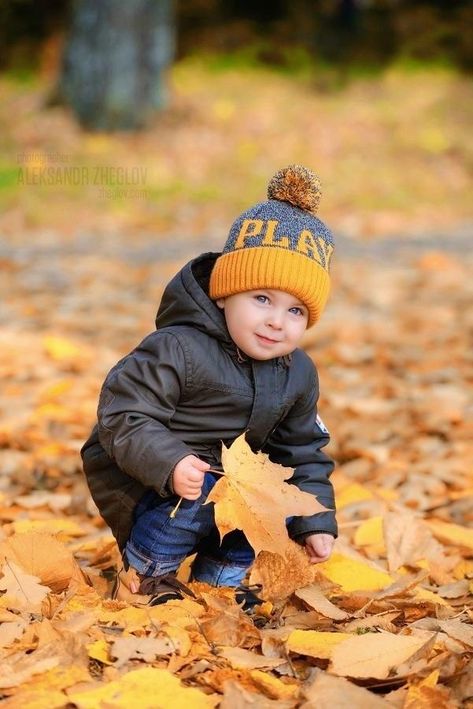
pixel 252 496
pixel 23 592
pixel 279 575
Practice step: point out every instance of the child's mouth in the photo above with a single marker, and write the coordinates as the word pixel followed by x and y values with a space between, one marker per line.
pixel 267 340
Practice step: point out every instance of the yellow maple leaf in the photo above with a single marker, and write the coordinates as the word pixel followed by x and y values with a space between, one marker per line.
pixel 353 575
pixel 147 688
pixel 252 496
pixel 315 643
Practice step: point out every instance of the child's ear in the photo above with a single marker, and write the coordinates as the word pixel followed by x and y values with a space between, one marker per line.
pixel 220 303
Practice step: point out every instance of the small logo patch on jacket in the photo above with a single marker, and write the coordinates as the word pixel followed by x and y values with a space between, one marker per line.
pixel 321 425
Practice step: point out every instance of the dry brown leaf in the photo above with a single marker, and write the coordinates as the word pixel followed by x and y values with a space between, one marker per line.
pixel 376 655
pixel 41 555
pixel 427 694
pixel 10 631
pixel 380 621
pixel 23 591
pixel 226 624
pixel 457 589
pixel 19 667
pixel 252 495
pixel 314 597
pixel 408 540
pixel 235 696
pixel 272 686
pixel 458 630
pixel 452 533
pixel 147 649
pixel 401 586
pixel 280 575
pixel 328 692
pixel 242 659
pixel 462 685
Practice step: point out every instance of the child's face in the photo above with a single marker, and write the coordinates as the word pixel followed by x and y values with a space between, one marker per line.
pixel 265 323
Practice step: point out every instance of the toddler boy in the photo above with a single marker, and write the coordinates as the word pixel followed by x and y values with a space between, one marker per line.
pixel 223 360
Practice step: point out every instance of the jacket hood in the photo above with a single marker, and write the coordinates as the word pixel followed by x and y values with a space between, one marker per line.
pixel 185 300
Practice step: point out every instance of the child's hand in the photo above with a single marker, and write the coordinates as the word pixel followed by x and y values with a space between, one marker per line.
pixel 319 547
pixel 188 477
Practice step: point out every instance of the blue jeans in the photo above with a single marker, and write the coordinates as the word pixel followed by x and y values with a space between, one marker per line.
pixel 159 543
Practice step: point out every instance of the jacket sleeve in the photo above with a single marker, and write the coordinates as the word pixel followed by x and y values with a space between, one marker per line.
pixel 297 442
pixel 136 405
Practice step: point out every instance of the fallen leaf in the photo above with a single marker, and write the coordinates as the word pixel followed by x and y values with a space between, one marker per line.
pixel 10 631
pixel 352 493
pixel 426 694
pixel 408 540
pixel 280 575
pixel 147 649
pixel 147 688
pixel 41 555
pixel 379 621
pixel 375 655
pixel 314 597
pixel 458 630
pixel 252 496
pixel 247 660
pixel 23 591
pixel 353 575
pixel 64 528
pixel 98 650
pixel 226 624
pixel 328 692
pixel 272 686
pixel 314 643
pixel 452 533
pixel 19 667
pixel 235 696
pixel 370 534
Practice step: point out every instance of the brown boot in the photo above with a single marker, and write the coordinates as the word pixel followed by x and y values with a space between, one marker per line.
pixel 127 587
pixel 163 588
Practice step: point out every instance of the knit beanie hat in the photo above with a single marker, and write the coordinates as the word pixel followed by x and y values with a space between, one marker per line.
pixel 279 244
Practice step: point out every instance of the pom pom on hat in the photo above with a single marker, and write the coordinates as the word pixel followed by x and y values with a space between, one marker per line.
pixel 279 244
pixel 297 185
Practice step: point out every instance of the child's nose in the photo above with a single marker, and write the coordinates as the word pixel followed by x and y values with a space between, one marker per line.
pixel 275 319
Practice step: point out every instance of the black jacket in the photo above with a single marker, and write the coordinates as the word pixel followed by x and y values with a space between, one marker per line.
pixel 184 390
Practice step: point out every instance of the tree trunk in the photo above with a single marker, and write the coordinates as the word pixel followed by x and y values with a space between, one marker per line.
pixel 114 60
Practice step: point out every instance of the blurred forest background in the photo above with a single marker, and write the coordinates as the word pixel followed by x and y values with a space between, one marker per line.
pixel 375 95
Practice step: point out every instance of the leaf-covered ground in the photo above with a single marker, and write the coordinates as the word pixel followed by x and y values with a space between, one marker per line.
pixel 388 621
pixel 391 611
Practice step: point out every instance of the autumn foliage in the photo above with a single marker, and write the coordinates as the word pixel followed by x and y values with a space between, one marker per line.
pixel 387 621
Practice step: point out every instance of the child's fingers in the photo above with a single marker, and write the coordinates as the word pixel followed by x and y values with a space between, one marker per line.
pixel 201 464
pixel 191 495
pixel 195 476
pixel 319 547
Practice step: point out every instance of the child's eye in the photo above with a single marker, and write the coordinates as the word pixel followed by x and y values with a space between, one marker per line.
pixel 262 298
pixel 296 310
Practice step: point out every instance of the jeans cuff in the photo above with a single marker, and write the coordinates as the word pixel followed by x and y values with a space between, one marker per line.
pixel 217 573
